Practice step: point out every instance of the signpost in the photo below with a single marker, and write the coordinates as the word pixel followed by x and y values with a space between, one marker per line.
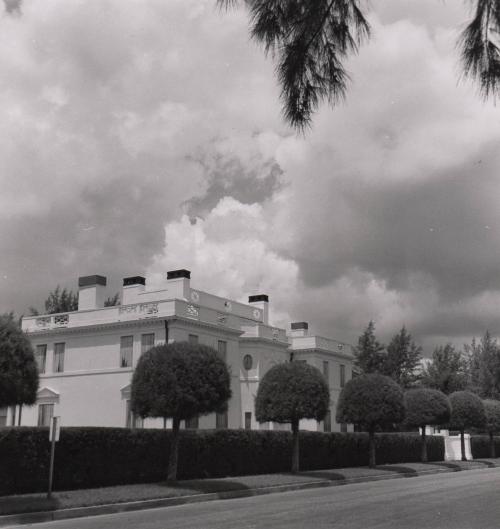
pixel 54 432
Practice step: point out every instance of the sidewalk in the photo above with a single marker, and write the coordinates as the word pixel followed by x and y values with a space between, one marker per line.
pixel 30 508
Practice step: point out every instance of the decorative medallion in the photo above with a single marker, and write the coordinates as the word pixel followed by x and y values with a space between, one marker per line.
pixel 256 314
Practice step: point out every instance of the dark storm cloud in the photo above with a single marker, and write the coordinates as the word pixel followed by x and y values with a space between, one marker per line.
pixel 446 228
pixel 229 176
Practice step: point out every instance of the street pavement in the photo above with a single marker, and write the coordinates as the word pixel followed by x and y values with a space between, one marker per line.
pixel 461 500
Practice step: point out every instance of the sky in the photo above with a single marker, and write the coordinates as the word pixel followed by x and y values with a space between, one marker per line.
pixel 141 136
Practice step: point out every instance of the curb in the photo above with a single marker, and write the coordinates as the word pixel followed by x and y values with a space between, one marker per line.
pixel 113 508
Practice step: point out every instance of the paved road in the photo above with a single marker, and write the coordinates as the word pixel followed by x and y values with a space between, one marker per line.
pixel 462 500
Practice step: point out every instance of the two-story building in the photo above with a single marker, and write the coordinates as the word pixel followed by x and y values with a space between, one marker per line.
pixel 86 358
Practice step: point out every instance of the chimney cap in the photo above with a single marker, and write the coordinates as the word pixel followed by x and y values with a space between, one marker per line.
pixel 258 297
pixel 89 281
pixel 296 325
pixel 135 280
pixel 175 274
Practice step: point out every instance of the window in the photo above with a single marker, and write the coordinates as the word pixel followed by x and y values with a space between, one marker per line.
pixel 132 420
pixel 248 362
pixel 126 350
pixel 248 420
pixel 3 416
pixel 326 371
pixel 193 339
pixel 59 357
pixel 45 414
pixel 41 357
pixel 343 427
pixel 221 420
pixel 192 424
pixel 342 375
pixel 222 349
pixel 147 341
pixel 327 422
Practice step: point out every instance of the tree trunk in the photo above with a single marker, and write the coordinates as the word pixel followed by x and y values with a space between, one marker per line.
pixel 371 435
pixel 462 444
pixel 174 450
pixel 424 445
pixel 164 423
pixel 295 446
pixel 13 416
pixel 492 445
pixel 20 412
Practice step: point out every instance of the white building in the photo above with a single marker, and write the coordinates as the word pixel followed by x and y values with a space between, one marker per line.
pixel 86 358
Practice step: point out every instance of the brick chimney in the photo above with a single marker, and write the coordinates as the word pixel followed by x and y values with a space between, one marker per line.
pixel 261 301
pixel 91 292
pixel 132 286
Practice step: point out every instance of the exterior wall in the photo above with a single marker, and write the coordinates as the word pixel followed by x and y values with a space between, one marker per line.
pixel 93 388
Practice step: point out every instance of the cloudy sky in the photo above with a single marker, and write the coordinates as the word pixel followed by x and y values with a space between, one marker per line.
pixel 140 136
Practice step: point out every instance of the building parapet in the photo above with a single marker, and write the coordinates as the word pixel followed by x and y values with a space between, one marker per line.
pixel 319 342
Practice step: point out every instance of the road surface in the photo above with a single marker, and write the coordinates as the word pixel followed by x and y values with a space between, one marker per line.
pixel 461 500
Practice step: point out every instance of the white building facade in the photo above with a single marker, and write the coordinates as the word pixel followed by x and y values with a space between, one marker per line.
pixel 86 358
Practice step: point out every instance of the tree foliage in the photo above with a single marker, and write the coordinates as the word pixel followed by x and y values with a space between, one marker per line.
pixel 479 46
pixel 492 412
pixel 484 367
pixel 402 359
pixel 467 411
pixel 369 355
pixel 447 370
pixel 426 407
pixel 310 42
pixel 18 369
pixel 181 381
pixel 371 401
pixel 290 392
pixel 492 425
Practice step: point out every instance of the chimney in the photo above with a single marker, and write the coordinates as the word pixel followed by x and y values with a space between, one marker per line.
pixel 179 283
pixel 299 328
pixel 91 292
pixel 261 301
pixel 132 286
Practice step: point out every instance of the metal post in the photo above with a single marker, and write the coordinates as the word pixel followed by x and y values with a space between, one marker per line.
pixel 52 454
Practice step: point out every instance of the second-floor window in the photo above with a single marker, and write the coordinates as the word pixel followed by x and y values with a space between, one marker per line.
pixel 126 351
pixel 41 357
pixel 222 349
pixel 193 339
pixel 147 341
pixel 59 357
pixel 342 375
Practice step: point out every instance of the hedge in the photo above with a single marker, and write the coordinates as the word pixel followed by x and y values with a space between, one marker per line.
pixel 480 446
pixel 95 457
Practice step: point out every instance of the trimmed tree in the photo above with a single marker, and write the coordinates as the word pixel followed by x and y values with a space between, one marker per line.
pixel 467 411
pixel 371 401
pixel 492 412
pixel 290 392
pixel 18 369
pixel 180 381
pixel 426 407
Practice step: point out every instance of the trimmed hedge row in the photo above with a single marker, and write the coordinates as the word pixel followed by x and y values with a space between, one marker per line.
pixel 480 446
pixel 94 457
